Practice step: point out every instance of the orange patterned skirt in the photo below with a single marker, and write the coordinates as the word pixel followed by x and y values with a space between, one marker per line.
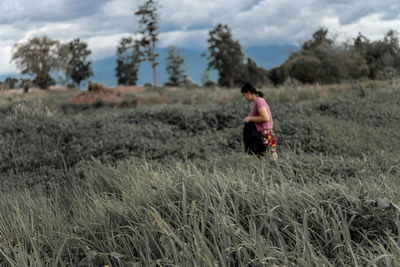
pixel 269 139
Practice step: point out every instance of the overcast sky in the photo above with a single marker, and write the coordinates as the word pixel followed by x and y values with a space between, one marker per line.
pixel 186 23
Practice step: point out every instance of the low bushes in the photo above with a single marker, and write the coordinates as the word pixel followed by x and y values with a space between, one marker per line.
pixel 170 184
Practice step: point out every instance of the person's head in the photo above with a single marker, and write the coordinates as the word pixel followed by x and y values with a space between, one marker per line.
pixel 250 93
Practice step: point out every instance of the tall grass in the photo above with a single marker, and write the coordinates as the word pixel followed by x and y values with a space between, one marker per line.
pixel 228 211
pixel 169 185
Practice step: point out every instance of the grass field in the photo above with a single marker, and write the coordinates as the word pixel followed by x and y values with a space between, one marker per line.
pixel 169 185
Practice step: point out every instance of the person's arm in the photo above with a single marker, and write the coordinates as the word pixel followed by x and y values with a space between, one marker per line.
pixel 261 118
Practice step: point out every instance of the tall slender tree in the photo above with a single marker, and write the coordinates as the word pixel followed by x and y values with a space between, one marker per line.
pixel 78 66
pixel 226 55
pixel 175 66
pixel 129 58
pixel 149 23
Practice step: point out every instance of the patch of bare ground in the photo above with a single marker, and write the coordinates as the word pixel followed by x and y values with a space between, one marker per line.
pixel 129 89
pixel 99 93
pixel 33 91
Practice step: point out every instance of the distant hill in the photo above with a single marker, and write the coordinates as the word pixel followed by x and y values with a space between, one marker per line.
pixel 104 69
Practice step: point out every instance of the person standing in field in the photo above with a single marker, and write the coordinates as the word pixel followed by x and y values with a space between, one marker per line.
pixel 258 133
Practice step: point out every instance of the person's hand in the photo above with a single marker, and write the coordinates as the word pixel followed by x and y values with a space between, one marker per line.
pixel 247 119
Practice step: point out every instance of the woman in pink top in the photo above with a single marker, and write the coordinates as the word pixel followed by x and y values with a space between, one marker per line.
pixel 260 115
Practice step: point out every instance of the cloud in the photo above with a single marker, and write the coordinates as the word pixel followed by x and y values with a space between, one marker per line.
pixel 5 56
pixel 186 23
pixel 195 14
pixel 119 8
pixel 195 39
pixel 376 25
pixel 104 46
pixel 47 10
pixel 293 22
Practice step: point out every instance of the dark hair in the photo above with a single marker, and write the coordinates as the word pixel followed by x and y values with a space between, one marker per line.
pixel 250 88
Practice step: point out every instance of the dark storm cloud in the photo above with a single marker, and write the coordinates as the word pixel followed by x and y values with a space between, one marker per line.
pixel 48 10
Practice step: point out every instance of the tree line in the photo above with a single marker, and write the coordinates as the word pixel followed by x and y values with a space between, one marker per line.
pixel 319 60
pixel 40 56
pixel 322 60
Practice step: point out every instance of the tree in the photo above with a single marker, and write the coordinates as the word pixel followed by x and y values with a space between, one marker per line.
pixel 40 56
pixel 129 58
pixel 305 68
pixel 149 20
pixel 320 60
pixel 175 66
pixel 78 67
pixel 11 83
pixel 205 79
pixel 383 54
pixel 277 75
pixel 252 72
pixel 361 44
pixel 226 55
pixel 319 38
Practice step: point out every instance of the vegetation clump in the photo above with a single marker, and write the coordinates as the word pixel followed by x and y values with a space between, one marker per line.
pixel 321 60
pixel 170 184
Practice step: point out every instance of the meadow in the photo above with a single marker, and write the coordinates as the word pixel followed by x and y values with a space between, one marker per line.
pixel 167 183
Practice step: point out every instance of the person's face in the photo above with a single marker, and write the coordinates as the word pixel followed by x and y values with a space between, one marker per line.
pixel 248 96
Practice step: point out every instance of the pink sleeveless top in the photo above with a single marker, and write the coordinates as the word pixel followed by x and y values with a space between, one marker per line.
pixel 259 103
